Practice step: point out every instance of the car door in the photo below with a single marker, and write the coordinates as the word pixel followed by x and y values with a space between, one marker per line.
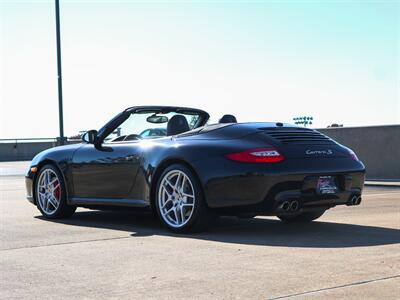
pixel 106 172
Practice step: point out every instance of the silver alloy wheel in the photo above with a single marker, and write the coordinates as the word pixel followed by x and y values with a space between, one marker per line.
pixel 176 198
pixel 48 191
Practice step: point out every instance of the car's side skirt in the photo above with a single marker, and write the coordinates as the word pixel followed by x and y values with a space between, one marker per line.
pixel 81 201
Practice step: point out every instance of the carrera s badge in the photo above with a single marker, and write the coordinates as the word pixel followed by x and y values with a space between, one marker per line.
pixel 319 152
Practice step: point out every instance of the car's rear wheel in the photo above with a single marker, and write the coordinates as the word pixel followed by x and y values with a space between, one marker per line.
pixel 179 200
pixel 302 217
pixel 51 195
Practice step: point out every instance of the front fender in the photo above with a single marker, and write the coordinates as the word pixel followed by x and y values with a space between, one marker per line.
pixel 60 157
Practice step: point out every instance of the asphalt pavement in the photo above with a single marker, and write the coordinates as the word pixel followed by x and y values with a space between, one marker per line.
pixel 351 252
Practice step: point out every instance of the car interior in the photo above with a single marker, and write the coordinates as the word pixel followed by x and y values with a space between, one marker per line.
pixel 177 124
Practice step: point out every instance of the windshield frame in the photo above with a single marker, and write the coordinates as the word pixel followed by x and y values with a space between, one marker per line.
pixel 113 124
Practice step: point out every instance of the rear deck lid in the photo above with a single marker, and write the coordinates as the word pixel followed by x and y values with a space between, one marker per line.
pixel 297 142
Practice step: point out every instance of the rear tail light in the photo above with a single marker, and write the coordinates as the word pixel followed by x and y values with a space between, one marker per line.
pixel 259 155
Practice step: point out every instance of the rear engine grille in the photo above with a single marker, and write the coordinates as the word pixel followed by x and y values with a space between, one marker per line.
pixel 299 136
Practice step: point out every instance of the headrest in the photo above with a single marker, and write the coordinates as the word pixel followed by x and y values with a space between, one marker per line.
pixel 176 125
pixel 228 119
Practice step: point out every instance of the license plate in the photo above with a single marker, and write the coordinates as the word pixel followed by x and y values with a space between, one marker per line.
pixel 326 185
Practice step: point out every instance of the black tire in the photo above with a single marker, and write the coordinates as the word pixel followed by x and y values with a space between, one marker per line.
pixel 63 210
pixel 302 217
pixel 200 217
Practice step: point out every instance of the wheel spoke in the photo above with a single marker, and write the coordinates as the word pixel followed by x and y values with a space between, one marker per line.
pixel 41 199
pixel 169 183
pixel 47 177
pixel 52 201
pixel 177 181
pixel 182 213
pixel 168 211
pixel 165 203
pixel 47 204
pixel 183 184
pixel 176 216
pixel 52 195
pixel 166 192
pixel 56 200
pixel 187 195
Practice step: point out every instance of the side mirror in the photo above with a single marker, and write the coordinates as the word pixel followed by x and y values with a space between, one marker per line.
pixel 90 137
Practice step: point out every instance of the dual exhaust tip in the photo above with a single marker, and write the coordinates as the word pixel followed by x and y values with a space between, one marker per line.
pixel 354 200
pixel 290 206
pixel 294 205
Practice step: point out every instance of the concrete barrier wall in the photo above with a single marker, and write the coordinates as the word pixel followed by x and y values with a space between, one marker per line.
pixel 22 150
pixel 377 146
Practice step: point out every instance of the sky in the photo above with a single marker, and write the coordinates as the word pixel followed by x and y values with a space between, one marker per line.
pixel 337 61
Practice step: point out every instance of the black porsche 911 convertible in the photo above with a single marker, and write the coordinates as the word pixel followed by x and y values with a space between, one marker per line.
pixel 187 172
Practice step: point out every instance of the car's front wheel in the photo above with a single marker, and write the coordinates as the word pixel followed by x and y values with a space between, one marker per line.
pixel 179 200
pixel 51 195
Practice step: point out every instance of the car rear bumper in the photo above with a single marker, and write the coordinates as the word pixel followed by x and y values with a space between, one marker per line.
pixel 303 189
pixel 264 189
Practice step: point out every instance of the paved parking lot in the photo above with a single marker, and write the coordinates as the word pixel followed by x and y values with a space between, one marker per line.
pixel 351 252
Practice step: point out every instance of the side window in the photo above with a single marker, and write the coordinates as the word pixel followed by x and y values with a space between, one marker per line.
pixel 125 132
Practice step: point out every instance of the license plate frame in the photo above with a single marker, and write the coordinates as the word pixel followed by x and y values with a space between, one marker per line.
pixel 327 185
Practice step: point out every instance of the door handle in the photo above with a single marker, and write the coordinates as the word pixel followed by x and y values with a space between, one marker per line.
pixel 130 157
